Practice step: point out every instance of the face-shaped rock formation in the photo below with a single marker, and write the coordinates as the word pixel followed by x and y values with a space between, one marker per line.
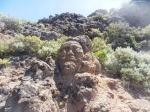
pixel 71 55
pixel 78 69
pixel 76 57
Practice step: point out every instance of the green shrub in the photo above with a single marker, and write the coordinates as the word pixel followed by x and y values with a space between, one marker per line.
pixel 4 48
pixel 3 62
pixel 141 33
pixel 49 48
pixel 94 33
pixel 100 44
pixel 100 49
pixel 32 45
pixel 101 56
pixel 17 47
pixel 101 18
pixel 29 44
pixel 130 66
pixel 12 23
pixel 142 37
pixel 146 32
pixel 144 45
pixel 120 35
pixel 138 34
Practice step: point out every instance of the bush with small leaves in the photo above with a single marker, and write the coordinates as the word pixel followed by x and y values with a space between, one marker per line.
pixel 11 23
pixel 101 56
pixel 146 32
pixel 138 34
pixel 119 34
pixel 32 45
pixel 94 33
pixel 4 61
pixel 101 18
pixel 49 48
pixel 130 65
pixel 100 49
pixel 29 44
pixel 144 45
pixel 4 48
pixel 100 44
pixel 142 37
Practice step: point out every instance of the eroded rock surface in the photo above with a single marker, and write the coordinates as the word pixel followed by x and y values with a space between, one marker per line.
pixel 76 57
pixel 78 69
pixel 73 84
pixel 31 87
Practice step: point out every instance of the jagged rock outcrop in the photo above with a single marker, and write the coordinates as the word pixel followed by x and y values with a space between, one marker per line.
pixel 30 88
pixel 72 24
pixel 69 24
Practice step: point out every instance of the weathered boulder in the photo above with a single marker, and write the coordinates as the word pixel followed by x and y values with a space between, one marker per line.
pixel 51 35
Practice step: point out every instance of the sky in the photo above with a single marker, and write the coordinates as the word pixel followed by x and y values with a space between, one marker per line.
pixel 33 10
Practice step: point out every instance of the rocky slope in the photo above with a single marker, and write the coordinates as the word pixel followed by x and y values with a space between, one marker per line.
pixel 69 24
pixel 72 83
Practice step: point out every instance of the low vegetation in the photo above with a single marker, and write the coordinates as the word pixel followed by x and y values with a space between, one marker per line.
pixel 11 23
pixel 120 35
pixel 100 49
pixel 3 62
pixel 31 45
pixel 130 65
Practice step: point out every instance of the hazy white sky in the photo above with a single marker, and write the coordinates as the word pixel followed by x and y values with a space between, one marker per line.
pixel 36 9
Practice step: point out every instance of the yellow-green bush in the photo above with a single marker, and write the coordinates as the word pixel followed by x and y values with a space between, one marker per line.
pixel 101 56
pixel 31 45
pixel 4 48
pixel 49 48
pixel 100 49
pixel 3 62
pixel 99 44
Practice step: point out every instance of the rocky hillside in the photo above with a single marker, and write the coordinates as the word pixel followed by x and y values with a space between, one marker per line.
pixel 72 63
pixel 69 24
pixel 73 83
